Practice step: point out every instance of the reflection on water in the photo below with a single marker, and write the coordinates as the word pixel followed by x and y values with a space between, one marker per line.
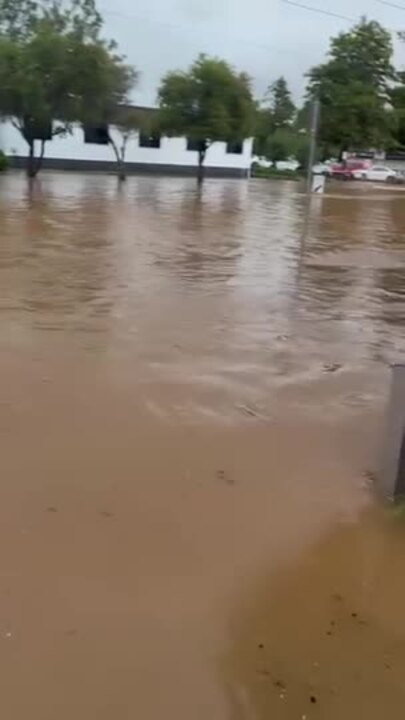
pixel 216 270
pixel 191 398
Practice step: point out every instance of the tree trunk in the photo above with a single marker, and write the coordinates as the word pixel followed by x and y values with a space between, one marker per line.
pixel 31 160
pixel 40 158
pixel 123 173
pixel 201 168
pixel 120 157
pixel 344 148
pixel 34 164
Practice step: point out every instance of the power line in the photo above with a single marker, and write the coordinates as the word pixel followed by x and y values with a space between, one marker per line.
pixel 177 27
pixel 391 4
pixel 310 8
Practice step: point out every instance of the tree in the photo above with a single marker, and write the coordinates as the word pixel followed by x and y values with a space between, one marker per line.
pixel 353 87
pixel 398 103
pixel 19 18
pixel 281 105
pixel 263 128
pixel 276 113
pixel 210 102
pixel 127 122
pixel 280 145
pixel 55 70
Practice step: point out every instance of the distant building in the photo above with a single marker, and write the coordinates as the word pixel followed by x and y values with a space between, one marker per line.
pixel 88 149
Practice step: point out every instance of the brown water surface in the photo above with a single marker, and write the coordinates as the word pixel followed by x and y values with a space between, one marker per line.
pixel 191 399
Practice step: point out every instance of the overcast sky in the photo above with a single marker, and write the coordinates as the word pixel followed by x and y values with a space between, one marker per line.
pixel 266 38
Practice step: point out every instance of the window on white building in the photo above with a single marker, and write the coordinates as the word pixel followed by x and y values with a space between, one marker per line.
pixel 96 134
pixel 234 147
pixel 193 145
pixel 36 130
pixel 148 140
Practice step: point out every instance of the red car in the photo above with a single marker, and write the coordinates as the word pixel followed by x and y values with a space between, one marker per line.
pixel 345 170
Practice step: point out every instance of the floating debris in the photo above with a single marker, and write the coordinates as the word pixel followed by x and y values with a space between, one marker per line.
pixel 222 475
pixel 252 412
pixel 370 476
pixel 331 367
pixel 247 410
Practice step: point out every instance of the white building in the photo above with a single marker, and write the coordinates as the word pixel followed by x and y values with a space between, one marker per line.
pixel 89 150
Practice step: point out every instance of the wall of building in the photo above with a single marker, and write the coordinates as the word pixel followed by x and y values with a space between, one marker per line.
pixel 172 152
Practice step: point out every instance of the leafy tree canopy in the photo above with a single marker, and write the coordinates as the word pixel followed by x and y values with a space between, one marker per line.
pixel 54 69
pixel 353 87
pixel 282 107
pixel 397 96
pixel 277 113
pixel 210 102
pixel 20 19
pixel 280 145
pixel 127 121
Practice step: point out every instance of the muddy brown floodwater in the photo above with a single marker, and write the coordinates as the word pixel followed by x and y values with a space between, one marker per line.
pixel 191 402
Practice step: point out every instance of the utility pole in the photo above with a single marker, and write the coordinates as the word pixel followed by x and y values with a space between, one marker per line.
pixel 315 117
pixel 392 472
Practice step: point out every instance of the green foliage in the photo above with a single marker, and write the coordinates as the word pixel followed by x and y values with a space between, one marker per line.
pixel 127 121
pixel 303 117
pixel 3 162
pixel 55 70
pixel 353 87
pixel 397 97
pixel 263 128
pixel 282 107
pixel 277 115
pixel 210 102
pixel 288 143
pixel 281 145
pixel 274 174
pixel 302 150
pixel 19 19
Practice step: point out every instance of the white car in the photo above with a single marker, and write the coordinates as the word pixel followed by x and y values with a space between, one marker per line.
pixel 376 173
pixel 290 164
pixel 261 161
pixel 320 169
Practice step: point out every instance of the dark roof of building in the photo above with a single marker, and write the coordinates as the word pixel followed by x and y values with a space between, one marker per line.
pixel 144 117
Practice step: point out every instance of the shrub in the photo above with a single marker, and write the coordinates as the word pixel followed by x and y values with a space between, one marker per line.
pixel 261 172
pixel 3 161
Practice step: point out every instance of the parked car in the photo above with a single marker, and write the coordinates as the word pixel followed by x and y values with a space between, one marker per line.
pixel 321 168
pixel 347 170
pixel 377 173
pixel 290 164
pixel 261 161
